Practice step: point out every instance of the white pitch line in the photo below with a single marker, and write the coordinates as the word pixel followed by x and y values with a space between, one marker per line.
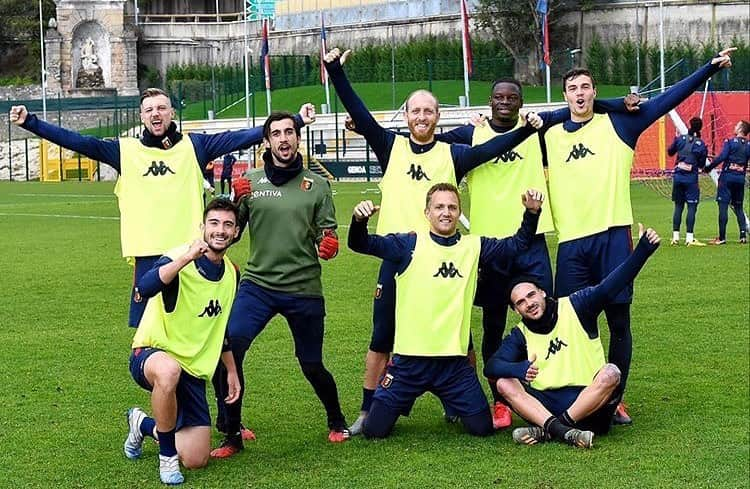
pixel 69 216
pixel 66 195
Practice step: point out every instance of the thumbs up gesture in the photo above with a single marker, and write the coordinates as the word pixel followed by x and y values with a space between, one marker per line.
pixel 533 370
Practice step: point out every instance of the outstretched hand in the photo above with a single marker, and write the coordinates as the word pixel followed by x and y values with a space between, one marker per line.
pixel 531 118
pixel 307 112
pixel 335 54
pixel 365 210
pixel 632 102
pixel 18 114
pixel 651 235
pixel 477 120
pixel 724 59
pixel 532 200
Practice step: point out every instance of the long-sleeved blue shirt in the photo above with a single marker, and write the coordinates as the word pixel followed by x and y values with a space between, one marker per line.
pixel 465 158
pixel 398 248
pixel 734 156
pixel 465 133
pixel 511 359
pixel 630 125
pixel 208 147
pixel 690 150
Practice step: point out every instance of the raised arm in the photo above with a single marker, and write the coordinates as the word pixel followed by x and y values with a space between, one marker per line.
pixel 97 149
pixel 466 158
pixel 393 247
pixel 725 149
pixel 630 126
pixel 208 147
pixel 591 301
pixel 378 137
pixel 499 253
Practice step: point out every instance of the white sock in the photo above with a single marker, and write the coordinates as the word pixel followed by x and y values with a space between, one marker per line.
pixel 675 235
pixel 689 237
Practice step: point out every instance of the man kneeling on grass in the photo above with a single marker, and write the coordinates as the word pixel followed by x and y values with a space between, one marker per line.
pixel 179 342
pixel 551 366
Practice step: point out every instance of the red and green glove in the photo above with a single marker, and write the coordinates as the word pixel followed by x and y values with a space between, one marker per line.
pixel 329 245
pixel 241 187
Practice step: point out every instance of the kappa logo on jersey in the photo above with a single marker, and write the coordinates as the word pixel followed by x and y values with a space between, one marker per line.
pixel 579 151
pixel 416 173
pixel 555 346
pixel 306 184
pixel 263 180
pixel 158 170
pixel 508 157
pixel 212 309
pixel 448 270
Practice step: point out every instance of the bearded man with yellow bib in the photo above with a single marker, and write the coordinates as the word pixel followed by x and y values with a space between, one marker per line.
pixel 589 159
pixel 495 211
pixel 160 183
pixel 551 366
pixel 435 285
pixel 411 163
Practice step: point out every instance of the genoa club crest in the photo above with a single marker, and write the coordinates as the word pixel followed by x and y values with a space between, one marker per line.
pixel 306 184
pixel 386 381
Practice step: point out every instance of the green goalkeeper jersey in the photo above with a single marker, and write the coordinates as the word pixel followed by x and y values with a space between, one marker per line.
pixel 284 225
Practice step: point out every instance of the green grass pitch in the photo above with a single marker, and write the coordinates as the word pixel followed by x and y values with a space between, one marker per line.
pixel 65 382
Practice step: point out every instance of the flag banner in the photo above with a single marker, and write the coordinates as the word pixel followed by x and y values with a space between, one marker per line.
pixel 265 58
pixel 542 9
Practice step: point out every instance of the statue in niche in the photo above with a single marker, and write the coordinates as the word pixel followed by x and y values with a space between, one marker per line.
pixel 90 73
pixel 89 59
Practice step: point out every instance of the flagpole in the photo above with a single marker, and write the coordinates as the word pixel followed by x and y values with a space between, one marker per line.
pixel 323 71
pixel 247 72
pixel 464 39
pixel 267 67
pixel 328 95
pixel 546 72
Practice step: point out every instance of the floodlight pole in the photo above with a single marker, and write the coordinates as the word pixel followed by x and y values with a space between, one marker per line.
pixel 44 65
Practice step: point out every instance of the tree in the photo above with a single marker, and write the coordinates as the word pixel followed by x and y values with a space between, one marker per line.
pixel 19 35
pixel 515 23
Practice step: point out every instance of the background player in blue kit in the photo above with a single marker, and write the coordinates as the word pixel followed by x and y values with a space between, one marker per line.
pixel 734 158
pixel 691 158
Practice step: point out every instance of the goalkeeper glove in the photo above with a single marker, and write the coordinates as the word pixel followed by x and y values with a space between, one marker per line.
pixel 329 245
pixel 241 187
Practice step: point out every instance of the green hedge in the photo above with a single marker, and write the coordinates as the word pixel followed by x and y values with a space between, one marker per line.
pixel 615 63
pixel 431 58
